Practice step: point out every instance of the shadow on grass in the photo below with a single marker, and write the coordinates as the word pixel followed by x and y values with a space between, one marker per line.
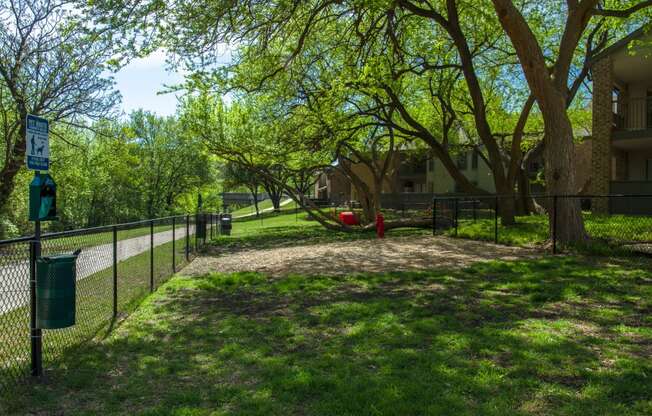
pixel 615 235
pixel 549 336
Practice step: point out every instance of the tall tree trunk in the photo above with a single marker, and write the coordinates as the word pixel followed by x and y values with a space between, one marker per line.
pixel 378 189
pixel 14 162
pixel 560 177
pixel 275 193
pixel 276 202
pixel 551 91
pixel 525 203
pixel 365 196
pixel 366 203
pixel 254 194
pixel 506 201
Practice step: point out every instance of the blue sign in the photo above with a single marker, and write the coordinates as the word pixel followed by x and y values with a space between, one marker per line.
pixel 38 144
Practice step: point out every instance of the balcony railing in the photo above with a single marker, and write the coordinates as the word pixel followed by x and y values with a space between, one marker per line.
pixel 634 114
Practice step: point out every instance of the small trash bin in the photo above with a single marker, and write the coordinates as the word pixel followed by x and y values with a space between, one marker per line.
pixel 55 291
pixel 225 224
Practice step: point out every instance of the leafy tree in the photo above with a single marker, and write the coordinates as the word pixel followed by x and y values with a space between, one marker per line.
pixel 550 86
pixel 448 73
pixel 53 65
pixel 235 176
pixel 171 162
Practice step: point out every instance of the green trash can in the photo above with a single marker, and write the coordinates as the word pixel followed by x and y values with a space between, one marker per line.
pixel 55 291
pixel 225 224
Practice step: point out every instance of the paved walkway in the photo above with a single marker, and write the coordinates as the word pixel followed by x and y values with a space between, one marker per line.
pixel 14 277
pixel 253 214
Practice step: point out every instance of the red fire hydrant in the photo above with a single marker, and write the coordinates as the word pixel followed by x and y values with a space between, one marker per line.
pixel 380 225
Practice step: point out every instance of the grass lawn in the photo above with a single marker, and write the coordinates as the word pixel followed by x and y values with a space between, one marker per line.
pixel 562 335
pixel 94 302
pixel 251 209
pixel 606 232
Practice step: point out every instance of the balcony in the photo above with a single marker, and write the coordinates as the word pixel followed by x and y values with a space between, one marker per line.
pixel 412 169
pixel 632 118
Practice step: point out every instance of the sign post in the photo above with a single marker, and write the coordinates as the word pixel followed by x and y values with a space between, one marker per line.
pixel 38 158
pixel 38 144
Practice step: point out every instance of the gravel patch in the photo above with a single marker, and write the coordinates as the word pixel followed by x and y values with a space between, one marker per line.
pixel 338 258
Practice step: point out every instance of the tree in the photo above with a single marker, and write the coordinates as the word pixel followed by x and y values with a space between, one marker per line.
pixel 53 65
pixel 171 162
pixel 235 175
pixel 389 55
pixel 550 86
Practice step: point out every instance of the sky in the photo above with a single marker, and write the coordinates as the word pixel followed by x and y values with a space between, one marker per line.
pixel 141 80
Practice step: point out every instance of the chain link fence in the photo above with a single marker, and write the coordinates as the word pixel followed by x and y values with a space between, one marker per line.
pixel 117 267
pixel 613 224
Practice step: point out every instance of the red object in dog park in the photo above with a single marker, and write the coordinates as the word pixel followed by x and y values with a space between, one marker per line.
pixel 380 225
pixel 348 218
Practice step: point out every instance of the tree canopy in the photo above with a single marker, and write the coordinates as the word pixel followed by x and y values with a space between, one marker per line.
pixel 325 84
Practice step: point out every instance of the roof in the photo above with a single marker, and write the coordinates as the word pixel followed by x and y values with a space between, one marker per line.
pixel 622 43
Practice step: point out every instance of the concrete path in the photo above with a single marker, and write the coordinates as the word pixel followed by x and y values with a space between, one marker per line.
pixel 253 214
pixel 14 276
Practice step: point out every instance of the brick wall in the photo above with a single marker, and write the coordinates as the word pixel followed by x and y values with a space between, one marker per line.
pixel 602 124
pixel 583 157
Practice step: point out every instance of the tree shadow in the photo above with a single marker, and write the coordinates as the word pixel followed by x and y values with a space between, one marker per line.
pixel 545 336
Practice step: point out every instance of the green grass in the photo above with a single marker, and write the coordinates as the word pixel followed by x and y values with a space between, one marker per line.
pixel 94 303
pixel 247 226
pixel 266 204
pixel 555 336
pixel 606 232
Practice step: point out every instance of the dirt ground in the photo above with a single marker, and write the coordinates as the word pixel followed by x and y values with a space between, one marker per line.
pixel 391 254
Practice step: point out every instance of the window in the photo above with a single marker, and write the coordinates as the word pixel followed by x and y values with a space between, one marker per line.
pixel 474 160
pixel 461 161
pixel 615 100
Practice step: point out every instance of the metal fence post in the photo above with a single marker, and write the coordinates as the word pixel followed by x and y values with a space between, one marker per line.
pixel 36 335
pixel 554 224
pixel 187 237
pixel 197 223
pixel 475 215
pixel 174 248
pixel 434 216
pixel 115 272
pixel 496 221
pixel 151 256
pixel 456 215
